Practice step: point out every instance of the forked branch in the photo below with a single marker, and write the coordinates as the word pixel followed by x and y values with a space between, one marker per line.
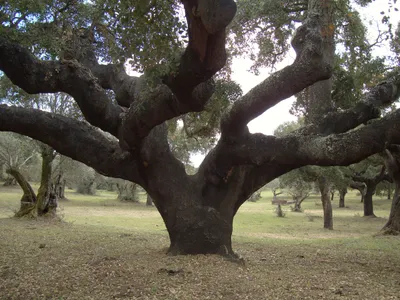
pixel 37 76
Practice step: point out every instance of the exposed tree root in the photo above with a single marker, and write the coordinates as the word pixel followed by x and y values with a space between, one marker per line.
pixel 389 231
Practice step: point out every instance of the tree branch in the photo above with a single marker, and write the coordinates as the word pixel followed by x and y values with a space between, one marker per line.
pixel 381 95
pixel 37 76
pixel 75 139
pixel 309 67
pixel 205 53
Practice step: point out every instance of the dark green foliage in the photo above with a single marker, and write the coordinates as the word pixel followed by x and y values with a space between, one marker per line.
pixel 144 31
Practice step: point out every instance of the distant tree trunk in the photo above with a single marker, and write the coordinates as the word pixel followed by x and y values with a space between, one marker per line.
pixel 127 191
pixel 360 187
pixel 58 187
pixel 255 197
pixel 332 194
pixel 87 186
pixel 297 206
pixel 342 194
pixel 28 199
pixel 45 194
pixel 149 201
pixel 370 188
pixel 368 204
pixel 9 181
pixel 298 202
pixel 389 195
pixel 275 192
pixel 326 202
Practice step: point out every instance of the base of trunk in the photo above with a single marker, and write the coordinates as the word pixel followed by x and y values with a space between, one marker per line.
pixel 389 231
pixel 370 216
pixel 27 211
pixel 200 231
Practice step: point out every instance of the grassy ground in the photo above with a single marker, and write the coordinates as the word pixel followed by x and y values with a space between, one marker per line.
pixel 105 249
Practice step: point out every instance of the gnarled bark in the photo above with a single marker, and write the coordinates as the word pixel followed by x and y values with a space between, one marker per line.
pixel 393 164
pixel 198 210
pixel 28 199
pixel 45 202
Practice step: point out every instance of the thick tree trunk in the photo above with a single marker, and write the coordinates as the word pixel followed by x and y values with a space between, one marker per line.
pixel 393 163
pixel 46 202
pixel 368 204
pixel 200 230
pixel 342 194
pixel 28 199
pixel 326 202
pixel 393 224
pixel 198 217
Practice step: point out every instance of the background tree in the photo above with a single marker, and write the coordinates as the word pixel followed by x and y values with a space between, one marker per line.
pixel 16 152
pixel 298 186
pixel 178 70
pixel 370 172
pixel 275 187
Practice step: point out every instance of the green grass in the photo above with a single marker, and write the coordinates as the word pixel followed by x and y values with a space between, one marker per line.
pixel 106 249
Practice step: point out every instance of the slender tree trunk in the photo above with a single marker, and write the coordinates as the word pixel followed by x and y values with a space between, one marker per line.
pixel 58 187
pixel 326 202
pixel 28 199
pixel 149 201
pixel 368 204
pixel 389 195
pixel 332 194
pixel 342 194
pixel 45 194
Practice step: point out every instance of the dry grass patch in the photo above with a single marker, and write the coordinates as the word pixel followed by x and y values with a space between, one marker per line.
pixel 42 260
pixel 105 249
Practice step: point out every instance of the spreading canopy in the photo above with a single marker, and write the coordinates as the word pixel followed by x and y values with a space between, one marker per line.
pixel 79 48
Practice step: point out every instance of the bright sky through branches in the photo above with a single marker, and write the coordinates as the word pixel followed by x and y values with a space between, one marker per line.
pixel 271 119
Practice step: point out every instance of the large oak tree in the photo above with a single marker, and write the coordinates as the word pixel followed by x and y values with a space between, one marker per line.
pixel 125 132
